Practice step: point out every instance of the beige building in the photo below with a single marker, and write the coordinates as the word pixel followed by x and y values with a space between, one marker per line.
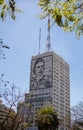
pixel 6 116
pixel 49 86
pixel 3 111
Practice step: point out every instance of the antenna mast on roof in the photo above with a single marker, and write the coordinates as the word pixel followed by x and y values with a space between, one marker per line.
pixel 48 45
pixel 39 39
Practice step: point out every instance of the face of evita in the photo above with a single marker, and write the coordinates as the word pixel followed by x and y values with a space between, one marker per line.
pixel 39 68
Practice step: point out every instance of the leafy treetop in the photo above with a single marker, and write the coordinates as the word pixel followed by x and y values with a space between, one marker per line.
pixel 67 14
pixel 8 7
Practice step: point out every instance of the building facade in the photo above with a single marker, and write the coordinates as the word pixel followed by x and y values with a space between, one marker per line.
pixel 49 86
pixel 6 116
pixel 4 111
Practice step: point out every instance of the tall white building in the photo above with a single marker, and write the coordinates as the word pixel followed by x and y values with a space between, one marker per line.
pixel 49 86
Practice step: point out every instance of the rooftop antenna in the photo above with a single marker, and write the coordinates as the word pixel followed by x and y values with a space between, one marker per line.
pixel 48 45
pixel 39 39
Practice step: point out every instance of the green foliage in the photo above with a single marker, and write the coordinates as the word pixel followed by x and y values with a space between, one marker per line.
pixel 67 14
pixel 1 2
pixel 8 7
pixel 47 119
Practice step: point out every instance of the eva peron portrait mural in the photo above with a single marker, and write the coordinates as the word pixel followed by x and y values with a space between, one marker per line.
pixel 39 79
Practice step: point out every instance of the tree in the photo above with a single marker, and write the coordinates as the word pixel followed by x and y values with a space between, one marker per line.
pixel 77 116
pixel 9 117
pixel 3 83
pixel 8 7
pixel 67 14
pixel 47 119
pixel 2 47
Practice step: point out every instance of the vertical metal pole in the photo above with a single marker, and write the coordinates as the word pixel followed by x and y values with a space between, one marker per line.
pixel 39 39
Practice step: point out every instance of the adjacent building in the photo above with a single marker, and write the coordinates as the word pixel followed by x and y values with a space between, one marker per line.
pixel 6 116
pixel 3 111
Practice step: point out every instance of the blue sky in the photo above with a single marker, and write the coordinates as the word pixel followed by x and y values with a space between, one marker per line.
pixel 22 35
